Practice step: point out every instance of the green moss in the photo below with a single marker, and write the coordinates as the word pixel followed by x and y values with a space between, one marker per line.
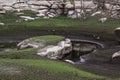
pixel 18 54
pixel 52 66
pixel 61 24
pixel 48 39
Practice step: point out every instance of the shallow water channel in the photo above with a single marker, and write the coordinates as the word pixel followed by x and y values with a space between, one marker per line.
pixel 81 48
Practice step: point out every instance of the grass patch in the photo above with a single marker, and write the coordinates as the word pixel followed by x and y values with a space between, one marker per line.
pixel 48 39
pixel 9 17
pixel 52 66
pixel 63 21
pixel 60 25
pixel 18 54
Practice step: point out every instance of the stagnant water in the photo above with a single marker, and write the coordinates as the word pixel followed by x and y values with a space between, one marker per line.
pixel 79 49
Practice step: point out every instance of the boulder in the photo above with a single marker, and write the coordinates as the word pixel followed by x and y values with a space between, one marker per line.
pixel 40 14
pixel 56 52
pixel 8 8
pixel 76 14
pixel 58 11
pixel 20 5
pixel 46 17
pixel 117 33
pixel 46 49
pixel 27 18
pixel 116 54
pixel 70 12
pixel 103 20
pixel 29 44
pixel 69 61
pixel 2 24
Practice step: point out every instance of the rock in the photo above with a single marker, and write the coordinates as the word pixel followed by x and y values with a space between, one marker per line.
pixel 42 52
pixel 72 16
pixel 103 20
pixel 43 11
pixel 117 33
pixel 76 14
pixel 117 54
pixel 58 11
pixel 2 24
pixel 20 13
pixel 29 44
pixel 82 60
pixel 2 11
pixel 46 17
pixel 70 12
pixel 116 57
pixel 96 13
pixel 27 17
pixel 51 14
pixel 20 5
pixel 58 51
pixel 69 61
pixel 40 14
pixel 8 8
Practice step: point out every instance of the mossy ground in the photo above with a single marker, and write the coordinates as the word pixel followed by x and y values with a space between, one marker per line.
pixel 33 67
pixel 27 64
pixel 42 69
pixel 60 24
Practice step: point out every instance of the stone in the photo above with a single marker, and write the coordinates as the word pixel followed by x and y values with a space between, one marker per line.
pixel 103 20
pixel 20 5
pixel 76 14
pixel 58 51
pixel 73 16
pixel 46 17
pixel 8 8
pixel 2 24
pixel 40 14
pixel 69 61
pixel 58 11
pixel 20 13
pixel 70 12
pixel 43 11
pixel 51 14
pixel 29 44
pixel 117 33
pixel 115 55
pixel 50 51
pixel 96 13
pixel 2 11
pixel 27 17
